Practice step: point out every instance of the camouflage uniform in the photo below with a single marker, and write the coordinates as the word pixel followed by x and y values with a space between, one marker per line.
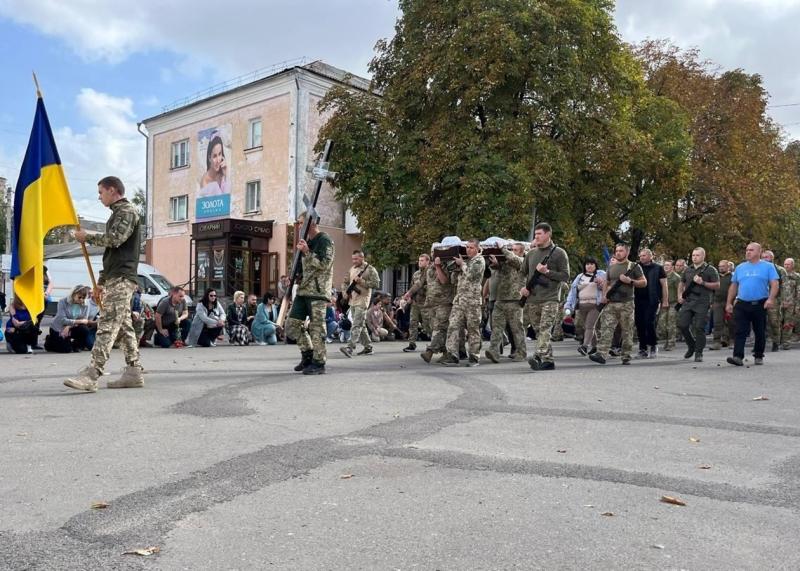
pixel 723 329
pixel 506 306
pixel 791 294
pixel 440 303
pixel 359 303
pixel 558 329
pixel 541 308
pixel 419 309
pixel 466 313
pixel 618 311
pixel 118 278
pixel 312 299
pixel 775 313
pixel 668 318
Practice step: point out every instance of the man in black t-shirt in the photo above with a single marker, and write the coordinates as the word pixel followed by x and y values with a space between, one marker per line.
pixel 648 300
pixel 695 293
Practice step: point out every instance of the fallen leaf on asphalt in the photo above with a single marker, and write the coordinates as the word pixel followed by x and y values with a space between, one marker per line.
pixel 761 397
pixel 705 466
pixel 22 434
pixel 144 552
pixel 99 505
pixel 397 415
pixel 345 476
pixel 588 505
pixel 694 439
pixel 561 451
pixel 673 501
pixel 608 514
pixel 656 387
pixel 657 546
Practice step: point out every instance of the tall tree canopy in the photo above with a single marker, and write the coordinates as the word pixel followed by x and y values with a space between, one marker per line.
pixel 484 111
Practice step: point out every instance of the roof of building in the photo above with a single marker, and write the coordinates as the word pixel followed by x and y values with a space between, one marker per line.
pixel 317 67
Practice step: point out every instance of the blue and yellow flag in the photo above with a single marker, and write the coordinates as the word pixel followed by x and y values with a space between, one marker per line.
pixel 42 202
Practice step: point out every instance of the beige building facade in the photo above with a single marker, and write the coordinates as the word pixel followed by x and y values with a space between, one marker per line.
pixel 226 175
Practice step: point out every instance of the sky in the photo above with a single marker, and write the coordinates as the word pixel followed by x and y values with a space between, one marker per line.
pixel 105 65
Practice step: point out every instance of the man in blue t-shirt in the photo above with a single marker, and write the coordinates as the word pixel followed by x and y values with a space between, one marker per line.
pixel 754 286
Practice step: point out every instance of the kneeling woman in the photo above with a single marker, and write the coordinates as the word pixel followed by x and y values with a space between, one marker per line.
pixel 238 333
pixel 69 331
pixel 209 319
pixel 264 328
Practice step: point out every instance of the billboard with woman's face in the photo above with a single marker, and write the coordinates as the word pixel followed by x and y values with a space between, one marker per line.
pixel 214 194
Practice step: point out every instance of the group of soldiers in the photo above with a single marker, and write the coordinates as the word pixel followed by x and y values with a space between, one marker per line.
pixel 527 286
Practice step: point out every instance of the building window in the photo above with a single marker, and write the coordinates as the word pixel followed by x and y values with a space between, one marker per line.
pixel 254 134
pixel 253 197
pixel 180 154
pixel 179 208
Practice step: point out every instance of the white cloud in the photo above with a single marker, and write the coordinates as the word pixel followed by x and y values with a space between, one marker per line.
pixel 758 36
pixel 228 38
pixel 111 145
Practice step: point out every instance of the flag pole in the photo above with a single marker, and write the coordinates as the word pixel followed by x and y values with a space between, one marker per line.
pixel 83 245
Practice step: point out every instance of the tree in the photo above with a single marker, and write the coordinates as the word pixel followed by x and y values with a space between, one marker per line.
pixel 743 185
pixel 482 110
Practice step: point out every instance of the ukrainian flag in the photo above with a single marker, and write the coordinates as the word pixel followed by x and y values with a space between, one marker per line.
pixel 41 202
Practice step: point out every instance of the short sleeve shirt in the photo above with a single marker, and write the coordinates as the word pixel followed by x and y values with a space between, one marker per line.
pixel 697 292
pixel 168 312
pixel 623 292
pixel 753 280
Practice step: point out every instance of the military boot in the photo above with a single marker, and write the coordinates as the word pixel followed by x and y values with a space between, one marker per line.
pixel 305 360
pixel 315 368
pixel 448 360
pixel 427 355
pixel 411 347
pixel 131 379
pixel 492 356
pixel 716 345
pixel 86 380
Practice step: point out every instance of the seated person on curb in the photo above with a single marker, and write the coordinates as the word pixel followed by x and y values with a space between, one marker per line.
pixel 69 331
pixel 238 333
pixel 22 333
pixel 332 316
pixel 142 318
pixel 171 316
pixel 264 329
pixel 375 321
pixel 208 322
pixel 252 309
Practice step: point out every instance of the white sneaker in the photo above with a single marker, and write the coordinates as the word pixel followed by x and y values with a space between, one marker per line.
pixel 30 349
pixel 261 343
pixel 213 344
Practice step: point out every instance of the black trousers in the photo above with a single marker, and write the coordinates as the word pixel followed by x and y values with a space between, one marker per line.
pixel 208 336
pixel 644 315
pixel 692 323
pixel 19 341
pixel 748 314
pixel 78 340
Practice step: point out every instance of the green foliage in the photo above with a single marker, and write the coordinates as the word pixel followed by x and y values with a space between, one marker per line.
pixel 482 111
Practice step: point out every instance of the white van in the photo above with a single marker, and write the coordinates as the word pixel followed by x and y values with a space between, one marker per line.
pixel 66 273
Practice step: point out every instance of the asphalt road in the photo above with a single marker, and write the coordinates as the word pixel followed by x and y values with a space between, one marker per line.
pixel 228 460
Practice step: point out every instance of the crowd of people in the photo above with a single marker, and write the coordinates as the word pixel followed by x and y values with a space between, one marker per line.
pixel 515 292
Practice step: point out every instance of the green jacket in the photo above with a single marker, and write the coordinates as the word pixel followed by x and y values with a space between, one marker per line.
pixel 558 265
pixel 317 278
pixel 121 241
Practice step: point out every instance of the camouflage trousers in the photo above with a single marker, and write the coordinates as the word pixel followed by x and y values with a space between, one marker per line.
pixel 507 312
pixel 791 320
pixel 358 332
pixel 613 314
pixel 309 337
pixel 440 317
pixel 115 320
pixel 667 327
pixel 419 316
pixel 775 323
pixel 465 317
pixel 542 316
pixel 723 330
pixel 558 328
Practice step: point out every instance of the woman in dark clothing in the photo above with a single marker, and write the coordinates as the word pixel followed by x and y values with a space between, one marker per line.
pixel 22 333
pixel 238 333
